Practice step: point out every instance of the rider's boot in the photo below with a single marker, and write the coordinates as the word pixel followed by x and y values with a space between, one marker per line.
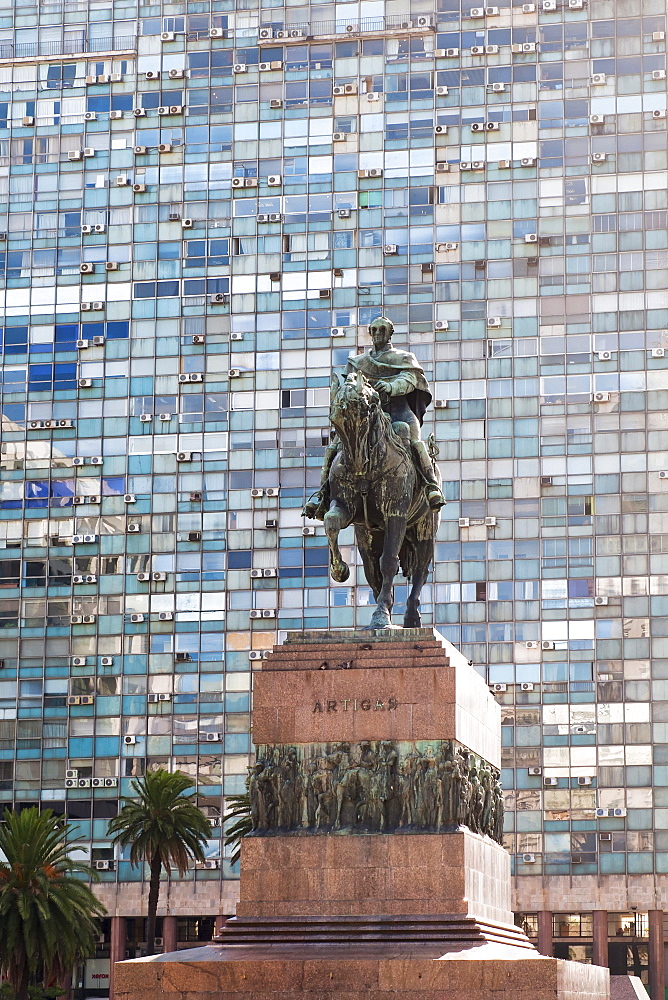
pixel 434 492
pixel 317 506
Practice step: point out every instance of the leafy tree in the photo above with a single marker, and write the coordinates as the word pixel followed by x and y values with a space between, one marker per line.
pixel 242 824
pixel 48 914
pixel 162 827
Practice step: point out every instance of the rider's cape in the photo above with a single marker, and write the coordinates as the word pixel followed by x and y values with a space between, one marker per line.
pixel 389 365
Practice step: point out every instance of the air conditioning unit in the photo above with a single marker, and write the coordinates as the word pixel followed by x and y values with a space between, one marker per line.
pixel 255 614
pixel 373 172
pixel 240 68
pixel 492 11
pixel 219 299
pixel 152 74
pixel 71 773
pixel 499 688
pixel 600 397
pixel 86 269
pixel 129 741
pixel 158 577
pixel 73 699
pixel 490 522
pixel 184 456
pixel 166 616
pixel 145 418
pixel 599 80
pixel 549 6
pixel 90 116
pixel 191 377
pixel 659 74
pixel 597 119
pixel 121 181
pixel 216 33
pixel 619 812
pixel 211 737
pixel 658 114
pixel 604 355
pixel 478 127
pixel 477 12
pixel 547 644
pixel 165 147
pixel 265 33
pixel 275 104
pixel 164 697
pixel 529 859
pixel 186 223
pixel 600 813
pixel 599 157
pixel 442 168
pixel 152 699
pixel 256 493
pixel 115 116
pixel 550 782
pixel 493 322
pixel 274 180
pixel 526 686
pixel 528 8
pixel 372 96
pixel 167 36
pixel 658 352
pixel 134 528
pixel 464 522
pixel 600 602
pixel 143 578
pixel 498 88
pixel 528 161
pixel 344 213
pixel 491 50
pixel 28 120
pixel 658 36
pixel 477 50
pixel 451 53
pixel 531 644
pixel 76 619
pixel 441 324
pixel 138 619
pixel 308 532
pixel 442 91
pixel 139 188
pixel 271 522
pixel 75 154
pixel 176 74
pixel 390 249
pixel 535 770
pixel 584 781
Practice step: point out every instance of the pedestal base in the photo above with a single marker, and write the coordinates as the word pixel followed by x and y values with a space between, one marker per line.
pixel 489 972
pixel 366 875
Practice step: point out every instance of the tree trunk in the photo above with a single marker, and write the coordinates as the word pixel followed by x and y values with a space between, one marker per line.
pixel 154 892
pixel 22 985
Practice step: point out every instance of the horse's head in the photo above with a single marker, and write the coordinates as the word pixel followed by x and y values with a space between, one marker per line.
pixel 353 400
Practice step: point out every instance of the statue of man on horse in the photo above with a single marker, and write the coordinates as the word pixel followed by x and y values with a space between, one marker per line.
pixel 379 475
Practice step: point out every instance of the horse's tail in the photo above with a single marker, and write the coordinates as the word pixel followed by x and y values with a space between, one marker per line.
pixel 423 530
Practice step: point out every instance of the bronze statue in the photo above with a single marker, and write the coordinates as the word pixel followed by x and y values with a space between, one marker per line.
pixel 379 475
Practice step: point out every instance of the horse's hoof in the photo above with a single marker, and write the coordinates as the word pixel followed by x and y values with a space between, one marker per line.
pixel 412 621
pixel 340 573
pixel 380 619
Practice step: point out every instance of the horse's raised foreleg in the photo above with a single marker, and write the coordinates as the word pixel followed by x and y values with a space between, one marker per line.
pixel 336 519
pixel 395 530
pixel 425 550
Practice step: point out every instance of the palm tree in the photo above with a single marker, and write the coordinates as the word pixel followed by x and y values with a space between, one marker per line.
pixel 162 827
pixel 240 813
pixel 48 914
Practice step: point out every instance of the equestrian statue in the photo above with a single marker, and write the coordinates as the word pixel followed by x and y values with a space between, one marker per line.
pixel 379 475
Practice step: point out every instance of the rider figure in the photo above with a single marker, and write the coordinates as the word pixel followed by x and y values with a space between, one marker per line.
pixel 399 381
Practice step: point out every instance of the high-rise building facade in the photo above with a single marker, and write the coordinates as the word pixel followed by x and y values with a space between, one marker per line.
pixel 203 204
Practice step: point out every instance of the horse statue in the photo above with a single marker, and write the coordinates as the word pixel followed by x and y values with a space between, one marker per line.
pixel 375 485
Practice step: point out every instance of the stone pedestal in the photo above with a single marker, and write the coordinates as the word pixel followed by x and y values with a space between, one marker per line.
pixel 379 889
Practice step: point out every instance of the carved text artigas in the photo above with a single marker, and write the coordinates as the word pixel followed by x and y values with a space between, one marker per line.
pixel 356 705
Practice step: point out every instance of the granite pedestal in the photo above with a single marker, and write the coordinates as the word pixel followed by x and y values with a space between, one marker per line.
pixel 333 911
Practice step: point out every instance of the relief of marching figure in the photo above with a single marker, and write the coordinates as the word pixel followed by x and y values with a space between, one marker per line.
pixel 374 787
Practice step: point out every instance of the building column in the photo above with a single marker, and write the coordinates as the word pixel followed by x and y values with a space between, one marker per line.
pixel 116 949
pixel 657 975
pixel 545 932
pixel 600 951
pixel 169 936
